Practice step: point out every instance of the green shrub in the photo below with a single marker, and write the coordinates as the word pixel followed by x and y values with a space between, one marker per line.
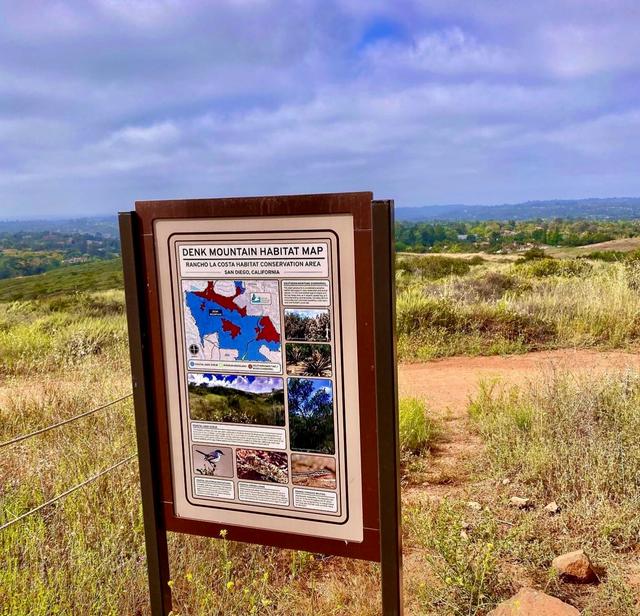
pixel 534 253
pixel 569 437
pixel 609 256
pixel 542 268
pixel 417 431
pixel 463 567
pixel 417 313
pixel 433 267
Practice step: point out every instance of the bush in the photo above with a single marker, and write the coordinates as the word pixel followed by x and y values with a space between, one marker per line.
pixel 570 438
pixel 417 313
pixel 632 257
pixel 609 256
pixel 542 268
pixel 417 431
pixel 508 324
pixel 462 568
pixel 433 267
pixel 534 253
pixel 490 287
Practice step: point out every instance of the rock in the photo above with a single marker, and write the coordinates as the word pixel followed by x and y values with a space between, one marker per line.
pixel 474 505
pixel 552 508
pixel 520 503
pixel 529 602
pixel 575 567
pixel 506 482
pixel 464 535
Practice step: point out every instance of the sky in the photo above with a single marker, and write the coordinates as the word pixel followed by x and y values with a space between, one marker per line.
pixel 253 384
pixel 103 102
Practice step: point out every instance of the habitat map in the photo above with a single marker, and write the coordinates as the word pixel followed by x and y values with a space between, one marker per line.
pixel 232 320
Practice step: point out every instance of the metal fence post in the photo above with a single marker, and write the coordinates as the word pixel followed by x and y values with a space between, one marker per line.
pixel 154 530
pixel 387 408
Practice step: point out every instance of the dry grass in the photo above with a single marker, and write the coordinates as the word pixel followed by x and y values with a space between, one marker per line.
pixel 569 440
pixel 572 440
pixel 516 308
pixel 625 244
pixel 85 554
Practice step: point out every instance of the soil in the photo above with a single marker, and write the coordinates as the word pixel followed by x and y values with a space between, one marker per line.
pixel 448 385
pixel 455 469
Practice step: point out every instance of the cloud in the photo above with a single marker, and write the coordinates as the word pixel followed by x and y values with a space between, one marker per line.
pixel 104 102
pixel 448 51
pixel 257 384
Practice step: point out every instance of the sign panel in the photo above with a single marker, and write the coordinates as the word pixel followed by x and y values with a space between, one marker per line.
pixel 261 335
pixel 259 324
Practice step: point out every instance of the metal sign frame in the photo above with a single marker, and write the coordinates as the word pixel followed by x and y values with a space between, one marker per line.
pixel 375 299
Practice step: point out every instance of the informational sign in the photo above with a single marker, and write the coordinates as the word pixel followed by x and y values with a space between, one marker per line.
pixel 262 372
pixel 261 335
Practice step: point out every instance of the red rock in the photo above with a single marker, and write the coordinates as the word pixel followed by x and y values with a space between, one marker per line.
pixel 529 602
pixel 575 567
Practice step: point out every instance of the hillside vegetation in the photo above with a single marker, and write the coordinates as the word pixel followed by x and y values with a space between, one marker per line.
pixel 94 276
pixel 63 345
pixel 25 253
pixel 502 236
pixel 534 304
pixel 235 406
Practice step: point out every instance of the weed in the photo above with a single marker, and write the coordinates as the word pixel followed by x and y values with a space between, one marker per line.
pixel 417 431
pixel 572 440
pixel 433 268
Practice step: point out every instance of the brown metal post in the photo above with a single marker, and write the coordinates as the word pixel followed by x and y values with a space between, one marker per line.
pixel 387 408
pixel 154 529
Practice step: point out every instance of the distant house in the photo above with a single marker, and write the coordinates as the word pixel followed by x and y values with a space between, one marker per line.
pixel 74 260
pixel 462 236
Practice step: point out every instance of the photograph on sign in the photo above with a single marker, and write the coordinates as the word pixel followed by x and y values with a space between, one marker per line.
pixel 310 325
pixel 234 398
pixel 262 404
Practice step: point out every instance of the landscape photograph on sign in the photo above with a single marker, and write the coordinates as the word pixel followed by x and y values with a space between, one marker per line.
pixel 311 424
pixel 313 471
pixel 310 325
pixel 308 359
pixel 232 320
pixel 232 398
pixel 260 465
pixel 212 461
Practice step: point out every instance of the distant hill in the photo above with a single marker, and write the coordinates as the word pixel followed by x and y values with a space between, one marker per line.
pixel 105 225
pixel 614 208
pixel 617 208
pixel 95 276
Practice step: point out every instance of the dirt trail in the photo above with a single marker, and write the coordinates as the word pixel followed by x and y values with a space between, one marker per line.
pixel 449 384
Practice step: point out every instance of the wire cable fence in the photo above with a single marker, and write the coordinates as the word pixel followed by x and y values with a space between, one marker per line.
pixel 23 437
pixel 78 486
pixel 67 492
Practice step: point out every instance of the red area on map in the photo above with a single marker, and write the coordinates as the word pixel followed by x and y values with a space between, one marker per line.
pixel 223 300
pixel 267 331
pixel 233 329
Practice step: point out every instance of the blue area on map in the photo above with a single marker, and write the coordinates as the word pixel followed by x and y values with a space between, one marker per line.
pixel 245 342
